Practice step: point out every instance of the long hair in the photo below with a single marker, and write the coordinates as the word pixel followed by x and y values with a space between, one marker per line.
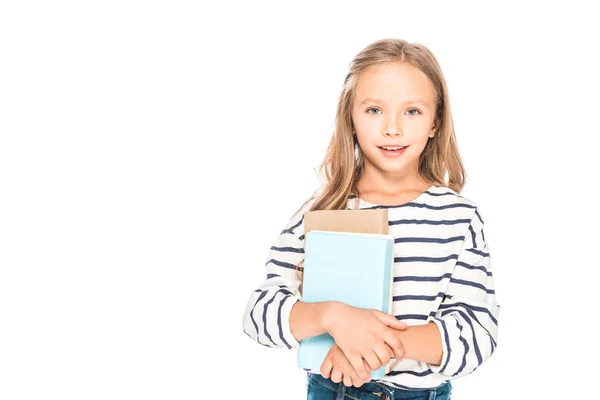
pixel 343 163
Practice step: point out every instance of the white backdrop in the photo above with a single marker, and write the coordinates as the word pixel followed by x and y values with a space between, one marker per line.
pixel 151 152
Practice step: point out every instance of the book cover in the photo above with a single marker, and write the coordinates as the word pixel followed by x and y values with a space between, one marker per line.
pixel 373 220
pixel 353 268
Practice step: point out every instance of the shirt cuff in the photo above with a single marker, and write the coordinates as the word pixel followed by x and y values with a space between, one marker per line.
pixel 286 310
pixel 445 346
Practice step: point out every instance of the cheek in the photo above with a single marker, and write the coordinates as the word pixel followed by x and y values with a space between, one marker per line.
pixel 360 121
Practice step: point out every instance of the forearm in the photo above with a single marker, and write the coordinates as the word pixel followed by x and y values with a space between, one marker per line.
pixel 308 319
pixel 422 343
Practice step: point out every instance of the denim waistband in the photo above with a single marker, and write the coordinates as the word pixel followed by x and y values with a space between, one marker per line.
pixel 385 392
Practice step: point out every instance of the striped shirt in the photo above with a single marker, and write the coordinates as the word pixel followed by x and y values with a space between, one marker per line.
pixel 442 273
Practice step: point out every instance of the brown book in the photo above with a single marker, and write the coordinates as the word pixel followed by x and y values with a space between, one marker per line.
pixel 373 220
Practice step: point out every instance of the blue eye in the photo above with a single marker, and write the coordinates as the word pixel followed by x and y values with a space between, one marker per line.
pixel 412 109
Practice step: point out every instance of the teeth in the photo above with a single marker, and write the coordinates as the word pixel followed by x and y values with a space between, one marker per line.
pixel 393 148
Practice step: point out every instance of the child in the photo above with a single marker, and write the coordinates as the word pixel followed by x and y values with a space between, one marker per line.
pixel 392 147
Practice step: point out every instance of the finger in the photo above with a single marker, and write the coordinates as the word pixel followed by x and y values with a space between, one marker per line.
pixel 393 322
pixel 336 376
pixel 349 372
pixel 384 353
pixel 358 365
pixel 367 368
pixel 401 325
pixel 347 380
pixel 390 351
pixel 395 344
pixel 356 381
pixel 373 361
pixel 326 367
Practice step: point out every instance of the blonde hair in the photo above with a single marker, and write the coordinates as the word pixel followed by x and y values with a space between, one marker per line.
pixel 343 163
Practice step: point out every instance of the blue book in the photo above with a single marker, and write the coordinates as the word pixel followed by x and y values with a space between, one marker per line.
pixel 353 268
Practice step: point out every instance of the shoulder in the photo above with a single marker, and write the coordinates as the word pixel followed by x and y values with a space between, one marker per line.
pixel 465 206
pixel 450 196
pixel 296 222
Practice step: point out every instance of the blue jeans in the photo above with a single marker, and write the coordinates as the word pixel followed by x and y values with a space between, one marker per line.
pixel 319 388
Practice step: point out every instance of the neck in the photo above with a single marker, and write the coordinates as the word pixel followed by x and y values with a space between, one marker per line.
pixel 391 185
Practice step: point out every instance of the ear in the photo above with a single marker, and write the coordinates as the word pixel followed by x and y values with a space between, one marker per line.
pixel 433 131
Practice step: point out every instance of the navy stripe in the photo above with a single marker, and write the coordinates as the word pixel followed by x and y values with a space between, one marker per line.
pixel 424 205
pixel 284 291
pixel 469 309
pixel 288 249
pixel 468 320
pixel 481 229
pixel 466 346
pixel 415 373
pixel 478 215
pixel 430 221
pixel 479 267
pixel 282 264
pixel 426 259
pixel 269 276
pixel 478 252
pixel 428 240
pixel 447 340
pixel 353 196
pixel 442 207
pixel 411 316
pixel 473 236
pixel 256 339
pixel 279 322
pixel 441 194
pixel 417 297
pixel 301 238
pixel 291 229
pixel 473 284
pixel 264 317
pixel 422 278
pixel 263 294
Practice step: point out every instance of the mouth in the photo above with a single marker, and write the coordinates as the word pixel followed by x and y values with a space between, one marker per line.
pixel 392 151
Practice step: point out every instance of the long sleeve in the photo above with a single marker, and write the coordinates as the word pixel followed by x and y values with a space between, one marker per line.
pixel 267 315
pixel 468 315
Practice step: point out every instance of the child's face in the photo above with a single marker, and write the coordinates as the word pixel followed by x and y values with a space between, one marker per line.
pixel 396 119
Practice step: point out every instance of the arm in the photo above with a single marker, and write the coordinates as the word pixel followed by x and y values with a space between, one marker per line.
pixel 307 319
pixel 266 317
pixel 422 343
pixel 467 318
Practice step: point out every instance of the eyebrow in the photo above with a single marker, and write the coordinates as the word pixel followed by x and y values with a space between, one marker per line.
pixel 371 100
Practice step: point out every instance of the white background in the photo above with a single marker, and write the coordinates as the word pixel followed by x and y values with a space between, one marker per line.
pixel 151 152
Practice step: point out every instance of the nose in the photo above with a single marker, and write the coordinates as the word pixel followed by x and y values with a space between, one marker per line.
pixel 392 128
pixel 392 132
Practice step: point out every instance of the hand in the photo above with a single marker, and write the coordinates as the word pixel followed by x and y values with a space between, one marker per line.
pixel 337 366
pixel 363 333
